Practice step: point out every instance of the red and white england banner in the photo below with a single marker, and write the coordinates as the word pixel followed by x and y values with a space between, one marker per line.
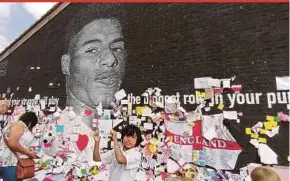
pixel 221 152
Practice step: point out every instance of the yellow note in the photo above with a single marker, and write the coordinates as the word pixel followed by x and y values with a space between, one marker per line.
pixel 248 131
pixel 274 124
pixel 95 171
pixel 221 106
pixel 139 110
pixel 262 140
pixel 152 148
pixel 197 93
pixel 255 136
pixel 129 109
pixel 202 95
pixel 268 125
pixel 263 131
pixel 270 118
pixel 3 95
pixel 154 141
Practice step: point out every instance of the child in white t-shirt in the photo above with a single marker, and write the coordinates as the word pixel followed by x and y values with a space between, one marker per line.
pixel 124 160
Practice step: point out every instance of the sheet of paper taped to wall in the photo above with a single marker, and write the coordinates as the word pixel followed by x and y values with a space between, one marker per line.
pixel 283 83
pixel 230 115
pixel 105 127
pixel 202 82
pixel 215 82
pixel 146 111
pixel 272 133
pixel 267 155
pixel 120 95
pixel 37 97
pixel 226 83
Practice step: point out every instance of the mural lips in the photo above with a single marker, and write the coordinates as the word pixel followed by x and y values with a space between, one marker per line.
pixel 110 78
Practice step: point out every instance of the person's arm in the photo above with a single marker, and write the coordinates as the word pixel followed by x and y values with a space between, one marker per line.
pixel 105 158
pixel 118 152
pixel 15 133
pixel 96 155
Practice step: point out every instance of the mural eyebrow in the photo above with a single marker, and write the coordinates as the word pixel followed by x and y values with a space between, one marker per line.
pixel 118 40
pixel 92 41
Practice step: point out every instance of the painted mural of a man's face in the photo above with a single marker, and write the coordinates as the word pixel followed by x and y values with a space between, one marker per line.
pixel 94 65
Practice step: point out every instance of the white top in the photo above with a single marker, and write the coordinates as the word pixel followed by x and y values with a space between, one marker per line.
pixel 121 172
pixel 7 158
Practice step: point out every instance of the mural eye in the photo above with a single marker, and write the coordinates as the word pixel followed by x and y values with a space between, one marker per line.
pixel 117 49
pixel 93 50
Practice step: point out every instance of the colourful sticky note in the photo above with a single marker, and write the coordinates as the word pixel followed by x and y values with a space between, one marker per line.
pixel 139 110
pixel 59 128
pixel 152 148
pixel 198 94
pixel 202 94
pixel 274 124
pixel 255 136
pixel 201 158
pixel 262 140
pixel 248 131
pixel 95 170
pixel 268 125
pixel 282 116
pixel 221 106
pixel 3 96
pixel 277 119
pixel 201 163
pixel 263 131
pixel 88 112
pixel 84 171
pixel 60 122
pixel 270 118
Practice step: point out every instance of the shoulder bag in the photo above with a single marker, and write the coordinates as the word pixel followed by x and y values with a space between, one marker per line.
pixel 25 166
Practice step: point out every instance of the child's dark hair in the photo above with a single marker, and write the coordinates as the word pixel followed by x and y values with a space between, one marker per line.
pixel 131 130
pixel 30 119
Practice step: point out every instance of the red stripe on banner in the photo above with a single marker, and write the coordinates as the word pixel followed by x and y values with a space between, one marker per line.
pixel 168 1
pixel 196 132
